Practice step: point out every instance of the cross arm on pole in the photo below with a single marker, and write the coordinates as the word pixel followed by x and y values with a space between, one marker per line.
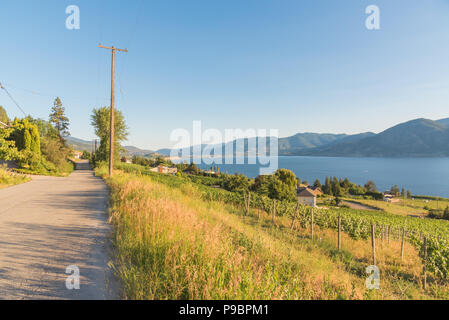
pixel 112 48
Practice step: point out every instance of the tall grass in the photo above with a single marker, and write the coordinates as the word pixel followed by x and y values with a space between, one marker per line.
pixel 171 244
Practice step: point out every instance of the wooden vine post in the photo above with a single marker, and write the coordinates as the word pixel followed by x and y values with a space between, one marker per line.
pixel 389 234
pixel 274 211
pixel 402 243
pixel 247 204
pixel 311 223
pixel 425 264
pixel 373 243
pixel 294 217
pixel 339 232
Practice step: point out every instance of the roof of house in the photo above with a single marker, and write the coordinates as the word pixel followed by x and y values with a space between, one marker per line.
pixel 306 193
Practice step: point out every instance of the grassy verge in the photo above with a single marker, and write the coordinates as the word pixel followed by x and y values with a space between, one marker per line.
pixel 8 178
pixel 63 170
pixel 170 244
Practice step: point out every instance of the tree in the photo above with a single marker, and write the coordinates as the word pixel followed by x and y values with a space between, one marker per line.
pixel 100 120
pixel 446 213
pixel 327 189
pixel 58 118
pixel 287 177
pixel 236 183
pixel 317 184
pixel 409 194
pixel 395 190
pixel 336 189
pixel 262 184
pixel 3 116
pixel 403 193
pixel 280 190
pixel 26 136
pixel 370 186
pixel 8 150
pixel 346 183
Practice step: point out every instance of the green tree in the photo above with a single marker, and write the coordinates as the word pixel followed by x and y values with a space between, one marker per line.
pixel 409 194
pixel 100 120
pixel 446 213
pixel 280 190
pixel 58 118
pixel 236 183
pixel 3 116
pixel 336 189
pixel 370 186
pixel 8 150
pixel 395 190
pixel 26 136
pixel 317 184
pixel 287 177
pixel 327 189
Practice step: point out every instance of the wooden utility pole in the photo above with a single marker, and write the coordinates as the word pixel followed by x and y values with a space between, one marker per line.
pixel 111 141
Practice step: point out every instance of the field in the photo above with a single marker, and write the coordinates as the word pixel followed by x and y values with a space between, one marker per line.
pixel 179 239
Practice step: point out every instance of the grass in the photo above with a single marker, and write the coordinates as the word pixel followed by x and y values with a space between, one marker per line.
pixel 170 244
pixel 8 178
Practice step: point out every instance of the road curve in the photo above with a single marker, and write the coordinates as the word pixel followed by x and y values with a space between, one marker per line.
pixel 49 224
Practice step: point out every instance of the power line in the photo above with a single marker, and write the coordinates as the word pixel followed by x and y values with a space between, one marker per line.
pixel 2 87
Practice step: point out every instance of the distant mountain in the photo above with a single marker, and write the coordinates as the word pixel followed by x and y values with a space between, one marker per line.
pixel 134 151
pixel 416 138
pixel 307 140
pixel 310 141
pixel 444 122
pixel 81 145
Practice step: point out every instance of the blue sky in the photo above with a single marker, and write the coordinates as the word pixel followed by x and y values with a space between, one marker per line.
pixel 296 66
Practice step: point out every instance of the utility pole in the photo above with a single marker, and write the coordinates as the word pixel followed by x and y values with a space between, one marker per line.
pixel 111 141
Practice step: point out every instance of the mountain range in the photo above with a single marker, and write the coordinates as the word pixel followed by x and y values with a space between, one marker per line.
pixel 415 138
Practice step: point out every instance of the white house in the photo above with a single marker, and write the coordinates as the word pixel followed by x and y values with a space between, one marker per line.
pixel 167 170
pixel 307 196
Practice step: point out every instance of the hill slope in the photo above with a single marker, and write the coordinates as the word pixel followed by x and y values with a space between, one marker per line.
pixel 416 138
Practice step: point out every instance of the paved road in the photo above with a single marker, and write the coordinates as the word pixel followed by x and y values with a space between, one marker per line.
pixel 47 225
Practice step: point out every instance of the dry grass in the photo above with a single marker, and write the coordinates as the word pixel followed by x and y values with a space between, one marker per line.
pixel 172 245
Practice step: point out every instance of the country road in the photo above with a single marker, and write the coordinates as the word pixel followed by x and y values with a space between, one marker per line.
pixel 49 224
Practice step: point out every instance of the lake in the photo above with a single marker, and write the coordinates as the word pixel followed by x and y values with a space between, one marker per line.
pixel 422 176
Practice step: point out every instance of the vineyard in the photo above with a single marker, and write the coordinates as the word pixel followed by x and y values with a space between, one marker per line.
pixel 428 236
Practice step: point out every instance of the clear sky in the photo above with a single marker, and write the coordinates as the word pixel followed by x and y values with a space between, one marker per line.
pixel 296 66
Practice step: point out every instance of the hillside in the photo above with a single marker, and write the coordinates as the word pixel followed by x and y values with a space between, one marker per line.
pixel 79 144
pixel 215 249
pixel 416 138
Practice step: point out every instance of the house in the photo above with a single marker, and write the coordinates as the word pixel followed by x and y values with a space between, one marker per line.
pixel 77 154
pixel 317 191
pixel 390 198
pixel 166 170
pixel 307 197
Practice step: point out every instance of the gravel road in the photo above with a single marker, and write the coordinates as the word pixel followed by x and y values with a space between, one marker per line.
pixel 49 224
